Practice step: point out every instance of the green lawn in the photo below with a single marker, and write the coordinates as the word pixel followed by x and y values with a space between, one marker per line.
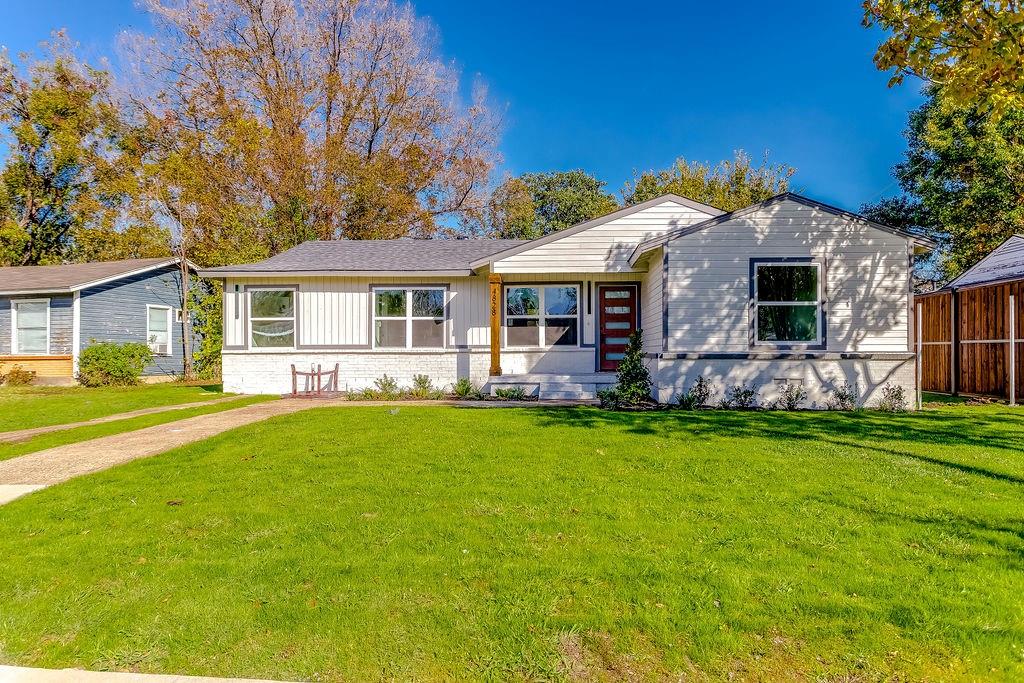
pixel 41 406
pixel 66 436
pixel 447 543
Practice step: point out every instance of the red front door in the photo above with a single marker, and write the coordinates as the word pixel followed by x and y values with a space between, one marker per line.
pixel 617 320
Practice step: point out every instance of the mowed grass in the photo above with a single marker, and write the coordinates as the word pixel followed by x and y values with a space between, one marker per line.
pixel 453 543
pixel 42 406
pixel 77 434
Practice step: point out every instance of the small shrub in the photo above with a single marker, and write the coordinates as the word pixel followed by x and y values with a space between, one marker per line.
pixel 609 398
pixel 739 397
pixel 106 364
pixel 387 388
pixel 696 397
pixel 791 398
pixel 894 399
pixel 422 387
pixel 844 397
pixel 510 393
pixel 465 389
pixel 633 380
pixel 17 377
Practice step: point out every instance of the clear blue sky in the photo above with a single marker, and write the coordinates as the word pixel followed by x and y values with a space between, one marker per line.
pixel 617 87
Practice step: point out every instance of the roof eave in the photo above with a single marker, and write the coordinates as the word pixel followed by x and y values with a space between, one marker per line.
pixel 594 222
pixel 216 274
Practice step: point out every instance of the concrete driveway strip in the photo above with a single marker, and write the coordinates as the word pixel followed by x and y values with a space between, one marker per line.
pixel 54 465
pixel 22 674
pixel 25 434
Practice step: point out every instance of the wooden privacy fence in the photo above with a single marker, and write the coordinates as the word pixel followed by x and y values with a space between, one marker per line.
pixel 971 341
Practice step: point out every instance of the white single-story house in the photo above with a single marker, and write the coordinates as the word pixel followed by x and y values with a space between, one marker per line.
pixel 789 290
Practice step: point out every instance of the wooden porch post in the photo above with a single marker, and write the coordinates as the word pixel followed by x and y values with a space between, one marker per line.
pixel 494 280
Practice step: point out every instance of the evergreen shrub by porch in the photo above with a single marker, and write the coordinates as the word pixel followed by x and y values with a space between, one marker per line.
pixel 106 364
pixel 633 382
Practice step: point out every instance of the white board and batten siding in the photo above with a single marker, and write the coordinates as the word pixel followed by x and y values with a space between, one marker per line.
pixel 603 248
pixel 867 279
pixel 334 312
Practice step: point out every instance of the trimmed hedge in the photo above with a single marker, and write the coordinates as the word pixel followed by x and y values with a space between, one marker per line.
pixel 106 364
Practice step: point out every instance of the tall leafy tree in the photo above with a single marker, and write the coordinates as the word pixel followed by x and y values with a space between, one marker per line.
pixel 964 179
pixel 729 185
pixel 973 49
pixel 63 139
pixel 278 122
pixel 538 204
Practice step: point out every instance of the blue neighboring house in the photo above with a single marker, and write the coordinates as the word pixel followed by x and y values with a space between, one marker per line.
pixel 48 314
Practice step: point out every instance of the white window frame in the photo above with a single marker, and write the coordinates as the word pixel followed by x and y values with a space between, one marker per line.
pixel 15 350
pixel 408 317
pixel 817 303
pixel 294 318
pixel 541 315
pixel 170 335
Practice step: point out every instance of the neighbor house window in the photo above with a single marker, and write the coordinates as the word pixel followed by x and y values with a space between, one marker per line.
pixel 408 318
pixel 542 315
pixel 31 325
pixel 158 329
pixel 787 300
pixel 272 318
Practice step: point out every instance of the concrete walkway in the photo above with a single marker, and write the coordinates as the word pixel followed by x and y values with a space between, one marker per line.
pixel 27 473
pixel 34 471
pixel 22 674
pixel 25 434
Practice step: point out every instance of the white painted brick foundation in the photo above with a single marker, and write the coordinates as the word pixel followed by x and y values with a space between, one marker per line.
pixel 818 377
pixel 270 372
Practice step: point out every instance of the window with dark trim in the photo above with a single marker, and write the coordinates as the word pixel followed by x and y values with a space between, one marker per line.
pixel 409 317
pixel 787 303
pixel 541 315
pixel 272 318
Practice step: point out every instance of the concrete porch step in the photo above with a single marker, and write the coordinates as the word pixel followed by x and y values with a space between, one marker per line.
pixel 568 391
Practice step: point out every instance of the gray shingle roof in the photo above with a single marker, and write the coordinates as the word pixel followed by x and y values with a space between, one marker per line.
pixel 72 276
pixel 1005 262
pixel 347 256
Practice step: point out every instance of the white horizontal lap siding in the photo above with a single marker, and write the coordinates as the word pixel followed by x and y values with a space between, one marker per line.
pixel 708 279
pixel 651 303
pixel 603 248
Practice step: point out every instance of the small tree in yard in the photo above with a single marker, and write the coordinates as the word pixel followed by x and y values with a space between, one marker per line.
pixel 633 385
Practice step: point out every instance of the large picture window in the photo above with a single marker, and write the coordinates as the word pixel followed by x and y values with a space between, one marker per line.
pixel 158 329
pixel 542 315
pixel 272 318
pixel 787 300
pixel 31 327
pixel 409 318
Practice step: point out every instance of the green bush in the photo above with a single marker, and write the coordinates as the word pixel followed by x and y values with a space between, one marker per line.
pixel 609 398
pixel 696 397
pixel 465 389
pixel 423 388
pixel 633 381
pixel 510 393
pixel 739 397
pixel 17 377
pixel 105 364
pixel 894 399
pixel 791 397
pixel 844 397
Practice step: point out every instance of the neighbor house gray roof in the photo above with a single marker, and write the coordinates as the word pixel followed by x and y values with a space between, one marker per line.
pixel 73 276
pixel 920 241
pixel 372 257
pixel 1006 262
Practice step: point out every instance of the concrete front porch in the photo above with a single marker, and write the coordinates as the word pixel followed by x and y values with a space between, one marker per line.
pixel 574 387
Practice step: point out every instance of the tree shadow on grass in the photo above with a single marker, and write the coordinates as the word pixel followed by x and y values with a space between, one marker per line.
pixel 879 432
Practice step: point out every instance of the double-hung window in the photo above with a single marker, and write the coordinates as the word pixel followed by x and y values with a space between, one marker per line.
pixel 158 329
pixel 542 316
pixel 409 317
pixel 787 303
pixel 31 318
pixel 272 318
